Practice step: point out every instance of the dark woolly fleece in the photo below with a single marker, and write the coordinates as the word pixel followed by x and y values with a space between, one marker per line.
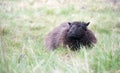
pixel 70 35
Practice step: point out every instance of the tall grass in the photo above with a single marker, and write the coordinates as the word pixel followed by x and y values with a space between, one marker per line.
pixel 24 24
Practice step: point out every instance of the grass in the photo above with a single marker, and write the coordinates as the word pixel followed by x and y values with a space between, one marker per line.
pixel 24 24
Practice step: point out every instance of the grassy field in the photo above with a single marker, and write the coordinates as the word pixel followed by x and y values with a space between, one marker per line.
pixel 24 24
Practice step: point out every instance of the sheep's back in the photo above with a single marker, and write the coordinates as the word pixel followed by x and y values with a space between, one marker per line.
pixel 56 37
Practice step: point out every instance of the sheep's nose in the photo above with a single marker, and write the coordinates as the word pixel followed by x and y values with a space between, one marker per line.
pixel 71 35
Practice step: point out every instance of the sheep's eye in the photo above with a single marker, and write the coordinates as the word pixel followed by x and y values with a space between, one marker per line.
pixel 84 28
pixel 78 25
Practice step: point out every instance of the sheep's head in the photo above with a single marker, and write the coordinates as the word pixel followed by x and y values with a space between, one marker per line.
pixel 77 29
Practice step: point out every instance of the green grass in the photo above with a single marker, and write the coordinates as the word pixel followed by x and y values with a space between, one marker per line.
pixel 24 24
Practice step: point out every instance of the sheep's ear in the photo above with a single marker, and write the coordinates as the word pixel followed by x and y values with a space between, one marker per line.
pixel 87 23
pixel 69 23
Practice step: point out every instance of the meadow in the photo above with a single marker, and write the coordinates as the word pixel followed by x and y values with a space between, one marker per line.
pixel 24 24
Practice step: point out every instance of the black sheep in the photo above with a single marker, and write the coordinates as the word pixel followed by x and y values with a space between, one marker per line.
pixel 72 35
